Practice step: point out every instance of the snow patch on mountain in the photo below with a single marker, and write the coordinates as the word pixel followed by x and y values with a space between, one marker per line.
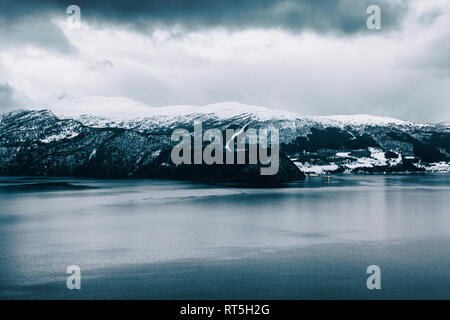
pixel 66 134
pixel 345 163
pixel 441 166
pixel 312 169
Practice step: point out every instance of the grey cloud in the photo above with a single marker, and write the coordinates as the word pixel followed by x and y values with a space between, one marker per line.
pixel 11 98
pixel 435 56
pixel 334 16
pixel 6 100
pixel 34 30
pixel 429 16
pixel 439 52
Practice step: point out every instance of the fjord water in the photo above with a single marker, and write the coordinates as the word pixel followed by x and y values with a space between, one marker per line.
pixel 160 239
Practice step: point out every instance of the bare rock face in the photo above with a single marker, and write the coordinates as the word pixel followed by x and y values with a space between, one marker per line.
pixel 38 143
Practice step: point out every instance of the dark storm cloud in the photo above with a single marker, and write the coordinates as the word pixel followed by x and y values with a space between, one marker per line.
pixel 336 16
pixel 28 23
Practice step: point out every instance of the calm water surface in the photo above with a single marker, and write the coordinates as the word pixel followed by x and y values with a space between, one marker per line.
pixel 167 239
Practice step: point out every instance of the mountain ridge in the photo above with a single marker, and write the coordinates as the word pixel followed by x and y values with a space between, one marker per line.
pixel 315 144
pixel 123 108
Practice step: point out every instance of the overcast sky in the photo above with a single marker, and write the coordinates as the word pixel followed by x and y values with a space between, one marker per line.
pixel 315 57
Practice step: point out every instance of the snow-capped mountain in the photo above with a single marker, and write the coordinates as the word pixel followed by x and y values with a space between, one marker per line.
pixel 116 136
